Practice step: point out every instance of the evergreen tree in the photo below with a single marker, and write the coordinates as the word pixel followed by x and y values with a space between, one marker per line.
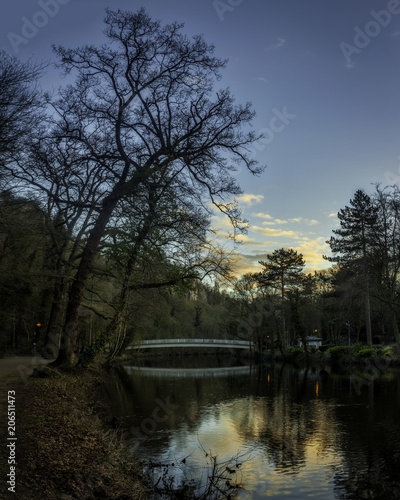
pixel 354 243
pixel 283 270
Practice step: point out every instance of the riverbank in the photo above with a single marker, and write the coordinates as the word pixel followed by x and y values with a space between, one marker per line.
pixel 63 449
pixel 345 358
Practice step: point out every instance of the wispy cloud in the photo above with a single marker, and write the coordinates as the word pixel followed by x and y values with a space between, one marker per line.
pixel 268 231
pixel 277 45
pixel 274 222
pixel 311 249
pixel 219 234
pixel 301 220
pixel 270 221
pixel 262 215
pixel 244 265
pixel 250 199
pixel 395 34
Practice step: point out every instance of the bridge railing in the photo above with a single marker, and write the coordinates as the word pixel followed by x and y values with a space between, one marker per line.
pixel 196 341
pixel 217 342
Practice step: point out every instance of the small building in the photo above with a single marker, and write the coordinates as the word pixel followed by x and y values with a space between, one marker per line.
pixel 311 341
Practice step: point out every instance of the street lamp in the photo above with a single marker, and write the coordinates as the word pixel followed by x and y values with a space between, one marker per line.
pixel 36 333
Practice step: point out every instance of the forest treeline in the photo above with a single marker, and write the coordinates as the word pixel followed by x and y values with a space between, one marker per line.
pixel 107 191
pixel 355 300
pixel 274 307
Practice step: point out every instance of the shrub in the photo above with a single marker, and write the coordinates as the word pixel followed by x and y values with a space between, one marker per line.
pixel 386 351
pixel 295 349
pixel 339 351
pixel 366 353
pixel 326 347
pixel 357 347
pixel 295 354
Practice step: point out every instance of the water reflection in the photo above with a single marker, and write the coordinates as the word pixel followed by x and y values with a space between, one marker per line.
pixel 188 372
pixel 308 433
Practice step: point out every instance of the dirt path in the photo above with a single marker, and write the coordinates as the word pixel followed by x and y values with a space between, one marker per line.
pixel 13 371
pixel 19 364
pixel 63 448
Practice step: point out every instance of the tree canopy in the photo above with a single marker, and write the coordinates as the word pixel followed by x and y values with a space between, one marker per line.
pixel 143 108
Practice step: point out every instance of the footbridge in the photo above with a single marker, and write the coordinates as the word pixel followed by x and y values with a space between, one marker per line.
pixel 210 343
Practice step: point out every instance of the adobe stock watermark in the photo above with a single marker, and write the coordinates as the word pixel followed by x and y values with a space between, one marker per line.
pixel 393 178
pixel 277 125
pixel 149 425
pixel 372 29
pixel 368 370
pixel 227 6
pixel 30 27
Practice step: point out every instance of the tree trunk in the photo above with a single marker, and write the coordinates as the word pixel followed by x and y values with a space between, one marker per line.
pixel 368 316
pixel 395 327
pixel 116 327
pixel 50 346
pixel 70 333
pixel 284 340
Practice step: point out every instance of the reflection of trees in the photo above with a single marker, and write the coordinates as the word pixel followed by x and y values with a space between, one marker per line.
pixel 275 410
pixel 287 419
pixel 126 393
pixel 370 443
pixel 290 416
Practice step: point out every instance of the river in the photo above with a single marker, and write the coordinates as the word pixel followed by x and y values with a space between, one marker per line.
pixel 279 431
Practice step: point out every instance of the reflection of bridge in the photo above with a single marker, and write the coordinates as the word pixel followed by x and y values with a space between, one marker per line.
pixel 213 343
pixel 188 372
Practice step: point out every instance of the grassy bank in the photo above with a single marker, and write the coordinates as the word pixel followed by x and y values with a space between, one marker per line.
pixel 64 450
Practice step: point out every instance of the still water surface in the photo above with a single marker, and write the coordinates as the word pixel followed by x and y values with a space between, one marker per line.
pixel 299 433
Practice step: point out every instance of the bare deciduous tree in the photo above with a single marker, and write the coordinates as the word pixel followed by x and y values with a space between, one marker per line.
pixel 21 103
pixel 140 104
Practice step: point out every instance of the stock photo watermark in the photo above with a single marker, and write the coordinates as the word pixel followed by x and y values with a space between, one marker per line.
pixel 393 178
pixel 48 9
pixel 372 29
pixel 227 6
pixel 277 125
pixel 370 370
pixel 161 412
pixel 11 441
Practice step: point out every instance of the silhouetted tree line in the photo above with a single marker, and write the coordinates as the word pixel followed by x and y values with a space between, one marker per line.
pixel 280 298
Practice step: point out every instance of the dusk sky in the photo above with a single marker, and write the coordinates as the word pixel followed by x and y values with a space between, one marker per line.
pixel 323 78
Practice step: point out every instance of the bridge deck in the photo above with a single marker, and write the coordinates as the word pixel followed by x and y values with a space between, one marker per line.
pixel 188 372
pixel 212 343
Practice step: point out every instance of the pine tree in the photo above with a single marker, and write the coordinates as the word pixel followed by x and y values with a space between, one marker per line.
pixel 283 269
pixel 354 244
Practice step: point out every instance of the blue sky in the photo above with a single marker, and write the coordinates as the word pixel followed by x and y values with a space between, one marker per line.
pixel 323 78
